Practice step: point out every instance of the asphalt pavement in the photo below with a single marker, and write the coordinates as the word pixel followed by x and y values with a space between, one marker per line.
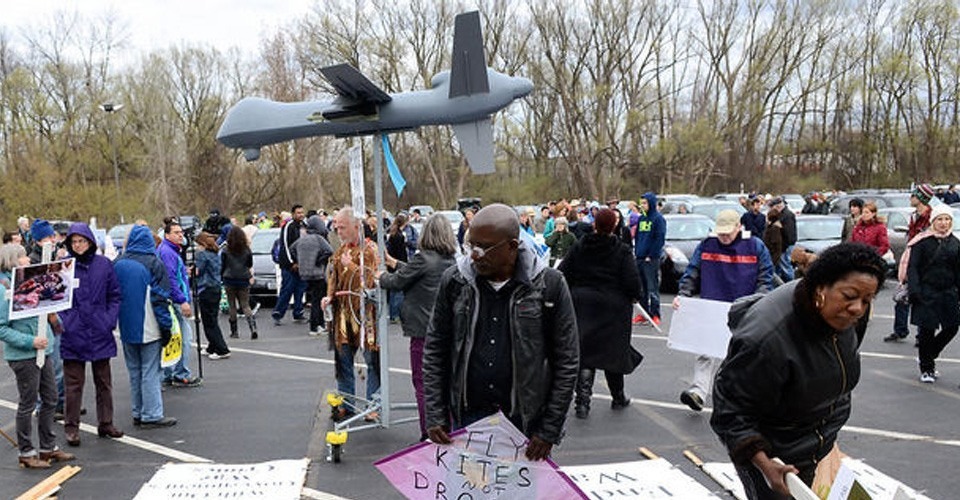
pixel 266 403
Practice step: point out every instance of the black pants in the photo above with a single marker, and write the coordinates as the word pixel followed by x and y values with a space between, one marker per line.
pixel 584 387
pixel 316 291
pixel 209 302
pixel 930 345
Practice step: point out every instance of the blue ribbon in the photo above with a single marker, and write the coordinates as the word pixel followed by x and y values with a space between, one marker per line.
pixel 395 176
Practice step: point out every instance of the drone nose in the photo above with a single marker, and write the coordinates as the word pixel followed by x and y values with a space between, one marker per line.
pixel 522 87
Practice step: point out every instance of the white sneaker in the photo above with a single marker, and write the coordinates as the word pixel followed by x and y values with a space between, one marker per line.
pixel 927 378
pixel 216 356
pixel 313 333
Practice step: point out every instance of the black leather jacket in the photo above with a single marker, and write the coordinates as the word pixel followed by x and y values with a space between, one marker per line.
pixel 785 384
pixel 545 347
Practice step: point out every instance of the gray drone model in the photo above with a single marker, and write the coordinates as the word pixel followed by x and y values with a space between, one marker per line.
pixel 463 97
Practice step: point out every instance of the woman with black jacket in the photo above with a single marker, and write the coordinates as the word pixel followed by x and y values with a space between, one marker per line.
pixel 602 275
pixel 783 391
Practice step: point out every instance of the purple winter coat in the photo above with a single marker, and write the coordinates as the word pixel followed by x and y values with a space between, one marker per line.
pixel 88 325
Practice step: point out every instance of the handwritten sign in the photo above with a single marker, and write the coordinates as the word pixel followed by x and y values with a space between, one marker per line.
pixel 278 479
pixel 650 479
pixel 485 460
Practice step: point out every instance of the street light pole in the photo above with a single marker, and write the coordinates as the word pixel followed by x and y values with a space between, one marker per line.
pixel 110 108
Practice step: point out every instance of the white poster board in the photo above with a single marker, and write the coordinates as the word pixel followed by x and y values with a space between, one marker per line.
pixel 356 180
pixel 40 289
pixel 874 483
pixel 700 326
pixel 275 480
pixel 649 479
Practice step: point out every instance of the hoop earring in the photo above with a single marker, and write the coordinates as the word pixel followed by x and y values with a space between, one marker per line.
pixel 818 302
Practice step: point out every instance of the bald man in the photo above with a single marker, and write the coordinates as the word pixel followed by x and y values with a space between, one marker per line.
pixel 503 338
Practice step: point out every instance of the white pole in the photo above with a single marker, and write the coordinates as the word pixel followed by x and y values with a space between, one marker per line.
pixel 42 319
pixel 382 339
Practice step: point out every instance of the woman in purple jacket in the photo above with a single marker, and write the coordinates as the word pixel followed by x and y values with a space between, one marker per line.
pixel 88 334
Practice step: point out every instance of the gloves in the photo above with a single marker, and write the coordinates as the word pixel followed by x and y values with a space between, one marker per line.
pixel 165 336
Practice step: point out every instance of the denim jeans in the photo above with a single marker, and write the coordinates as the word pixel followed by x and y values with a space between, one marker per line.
pixel 143 364
pixel 181 370
pixel 649 285
pixel 395 298
pixel 901 320
pixel 347 378
pixel 291 285
pixel 784 266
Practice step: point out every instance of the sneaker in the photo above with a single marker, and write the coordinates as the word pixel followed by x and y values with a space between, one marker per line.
pixel 927 378
pixel 216 356
pixel 313 333
pixel 656 320
pixel 691 399
pixel 639 319
pixel 301 319
pixel 186 382
pixel 894 337
pixel 277 322
pixel 156 424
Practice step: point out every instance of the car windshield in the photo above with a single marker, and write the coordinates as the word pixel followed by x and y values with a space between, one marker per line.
pixel 688 229
pixel 898 200
pixel 263 241
pixel 713 208
pixel 816 228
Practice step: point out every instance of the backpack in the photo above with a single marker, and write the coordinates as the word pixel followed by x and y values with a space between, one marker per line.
pixel 276 249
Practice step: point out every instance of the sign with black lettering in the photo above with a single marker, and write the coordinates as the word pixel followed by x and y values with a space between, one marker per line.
pixel 279 479
pixel 654 479
pixel 485 460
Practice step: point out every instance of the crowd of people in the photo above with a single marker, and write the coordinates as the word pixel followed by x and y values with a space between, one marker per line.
pixel 496 321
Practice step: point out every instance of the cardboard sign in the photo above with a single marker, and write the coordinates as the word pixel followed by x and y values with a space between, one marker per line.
pixel 650 479
pixel 278 479
pixel 700 327
pixel 485 460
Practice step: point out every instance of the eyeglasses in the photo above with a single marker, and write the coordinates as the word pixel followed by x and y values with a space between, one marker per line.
pixel 479 252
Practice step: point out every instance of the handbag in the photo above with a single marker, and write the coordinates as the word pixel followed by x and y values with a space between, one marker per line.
pixel 902 294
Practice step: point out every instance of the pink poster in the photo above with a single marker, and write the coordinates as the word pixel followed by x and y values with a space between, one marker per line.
pixel 485 460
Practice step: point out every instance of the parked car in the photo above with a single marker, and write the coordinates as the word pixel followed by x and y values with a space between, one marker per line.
pixel 455 218
pixel 841 204
pixel 119 234
pixel 684 233
pixel 794 201
pixel 264 269
pixel 702 206
pixel 898 222
pixel 816 233
pixel 425 210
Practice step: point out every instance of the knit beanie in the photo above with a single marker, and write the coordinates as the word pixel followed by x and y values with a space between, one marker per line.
pixel 924 193
pixel 40 229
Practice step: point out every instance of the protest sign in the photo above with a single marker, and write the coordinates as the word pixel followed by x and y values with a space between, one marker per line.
pixel 485 460
pixel 650 479
pixel 700 326
pixel 278 479
pixel 174 349
pixel 40 289
pixel 856 480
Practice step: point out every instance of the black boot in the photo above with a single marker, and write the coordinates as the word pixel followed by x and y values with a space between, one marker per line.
pixel 620 401
pixel 252 321
pixel 584 391
pixel 615 383
pixel 233 330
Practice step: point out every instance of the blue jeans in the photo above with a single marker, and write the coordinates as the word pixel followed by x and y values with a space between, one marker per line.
pixel 293 285
pixel 181 370
pixel 901 317
pixel 347 378
pixel 649 285
pixel 143 364
pixel 396 300
pixel 784 267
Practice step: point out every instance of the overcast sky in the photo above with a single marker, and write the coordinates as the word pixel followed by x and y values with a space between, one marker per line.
pixel 160 23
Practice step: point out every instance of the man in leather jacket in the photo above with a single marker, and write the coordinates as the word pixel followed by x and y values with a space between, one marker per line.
pixel 503 337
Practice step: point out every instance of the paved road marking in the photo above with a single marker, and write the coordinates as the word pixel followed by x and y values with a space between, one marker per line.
pixel 172 453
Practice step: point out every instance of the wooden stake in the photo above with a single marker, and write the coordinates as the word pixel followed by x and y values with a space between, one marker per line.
pixel 693 458
pixel 647 453
pixel 50 485
pixel 12 442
